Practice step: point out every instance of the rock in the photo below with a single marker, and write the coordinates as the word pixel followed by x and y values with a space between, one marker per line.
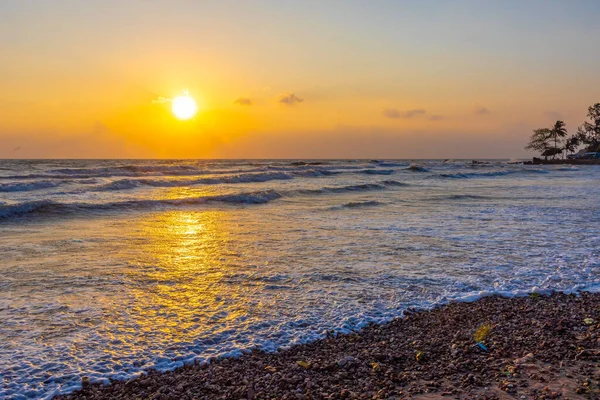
pixel 528 358
pixel 346 361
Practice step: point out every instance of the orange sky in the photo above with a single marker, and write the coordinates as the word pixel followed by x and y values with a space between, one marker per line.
pixel 305 79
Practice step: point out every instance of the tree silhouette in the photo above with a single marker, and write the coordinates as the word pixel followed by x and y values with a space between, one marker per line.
pixel 589 132
pixel 572 143
pixel 557 132
pixel 541 139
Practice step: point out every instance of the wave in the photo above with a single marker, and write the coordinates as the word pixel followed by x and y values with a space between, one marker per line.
pixel 144 169
pixel 381 163
pixel 258 197
pixel 27 186
pixel 376 171
pixel 300 169
pixel 310 173
pixel 124 184
pixel 49 207
pixel 359 204
pixel 463 197
pixel 9 210
pixel 121 184
pixel 467 175
pixel 302 163
pixel 353 188
pixel 488 174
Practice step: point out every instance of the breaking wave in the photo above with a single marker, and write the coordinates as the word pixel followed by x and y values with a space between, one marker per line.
pixel 377 171
pixel 124 184
pixel 353 188
pixel 27 186
pixel 259 197
pixel 127 183
pixel 49 207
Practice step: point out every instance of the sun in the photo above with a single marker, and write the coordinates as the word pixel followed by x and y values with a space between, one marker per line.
pixel 184 107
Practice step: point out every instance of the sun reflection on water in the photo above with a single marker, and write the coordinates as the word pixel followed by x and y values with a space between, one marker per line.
pixel 180 278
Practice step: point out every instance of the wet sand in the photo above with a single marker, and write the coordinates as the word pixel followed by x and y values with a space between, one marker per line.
pixel 536 347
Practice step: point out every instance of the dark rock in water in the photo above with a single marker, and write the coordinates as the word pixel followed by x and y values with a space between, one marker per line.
pixel 416 168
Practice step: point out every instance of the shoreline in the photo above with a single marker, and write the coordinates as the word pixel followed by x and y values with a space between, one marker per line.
pixel 539 161
pixel 538 346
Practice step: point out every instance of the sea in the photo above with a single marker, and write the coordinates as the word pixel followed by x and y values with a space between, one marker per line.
pixel 110 268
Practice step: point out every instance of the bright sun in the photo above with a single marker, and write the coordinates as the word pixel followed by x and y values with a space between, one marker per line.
pixel 184 107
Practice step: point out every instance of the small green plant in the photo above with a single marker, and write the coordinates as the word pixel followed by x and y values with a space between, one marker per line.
pixel 482 332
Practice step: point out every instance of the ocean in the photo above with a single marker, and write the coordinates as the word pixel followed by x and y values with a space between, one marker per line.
pixel 113 267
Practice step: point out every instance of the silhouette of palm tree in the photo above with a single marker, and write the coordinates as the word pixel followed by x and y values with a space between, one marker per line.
pixel 557 132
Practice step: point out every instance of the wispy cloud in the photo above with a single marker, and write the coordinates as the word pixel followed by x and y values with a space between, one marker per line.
pixel 17 148
pixel 436 118
pixel 161 100
pixel 290 99
pixel 481 110
pixel 553 115
pixel 243 101
pixel 395 114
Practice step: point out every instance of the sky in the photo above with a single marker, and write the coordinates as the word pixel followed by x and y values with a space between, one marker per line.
pixel 292 79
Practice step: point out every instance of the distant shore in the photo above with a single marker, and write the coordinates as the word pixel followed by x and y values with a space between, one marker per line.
pixel 536 347
pixel 539 161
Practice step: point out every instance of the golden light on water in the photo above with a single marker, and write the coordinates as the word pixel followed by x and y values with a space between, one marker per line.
pixel 185 275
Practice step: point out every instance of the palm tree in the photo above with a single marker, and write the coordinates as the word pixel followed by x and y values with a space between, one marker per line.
pixel 572 143
pixel 557 132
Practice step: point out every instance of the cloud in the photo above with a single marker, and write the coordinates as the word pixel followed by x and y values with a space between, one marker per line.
pixel 17 148
pixel 161 100
pixel 391 113
pixel 436 118
pixel 553 115
pixel 395 114
pixel 243 101
pixel 480 110
pixel 290 99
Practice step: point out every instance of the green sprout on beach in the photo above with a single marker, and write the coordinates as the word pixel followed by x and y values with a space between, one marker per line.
pixel 482 332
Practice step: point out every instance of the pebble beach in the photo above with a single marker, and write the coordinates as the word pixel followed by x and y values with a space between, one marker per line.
pixel 534 347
